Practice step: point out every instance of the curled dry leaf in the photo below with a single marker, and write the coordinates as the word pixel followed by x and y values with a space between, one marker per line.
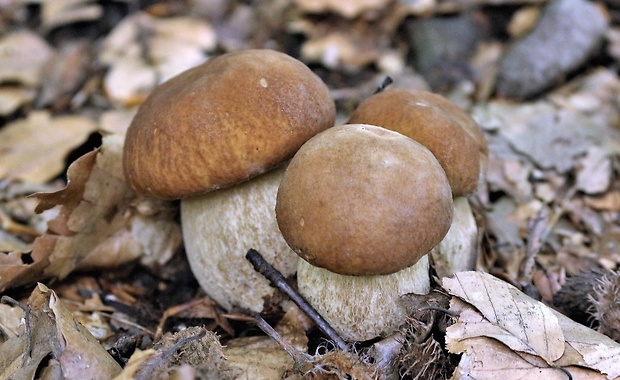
pixel 501 330
pixel 34 149
pixel 52 331
pixel 101 223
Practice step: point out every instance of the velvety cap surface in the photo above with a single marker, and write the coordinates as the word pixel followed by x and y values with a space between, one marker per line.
pixel 225 121
pixel 446 130
pixel 361 200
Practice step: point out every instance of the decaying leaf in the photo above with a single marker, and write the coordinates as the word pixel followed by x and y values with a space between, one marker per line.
pixel 62 12
pixel 10 321
pixel 143 51
pixel 22 57
pixel 51 330
pixel 345 8
pixel 501 330
pixel 101 223
pixel 11 98
pixel 33 149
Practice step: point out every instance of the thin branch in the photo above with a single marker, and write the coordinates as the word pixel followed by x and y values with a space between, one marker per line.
pixel 277 279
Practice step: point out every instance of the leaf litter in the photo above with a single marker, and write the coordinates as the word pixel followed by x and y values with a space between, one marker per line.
pixel 552 158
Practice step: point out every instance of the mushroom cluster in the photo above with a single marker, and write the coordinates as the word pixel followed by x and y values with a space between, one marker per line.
pixel 364 203
pixel 211 137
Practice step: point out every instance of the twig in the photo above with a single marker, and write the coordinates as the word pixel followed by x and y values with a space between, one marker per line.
pixel 161 359
pixel 300 358
pixel 10 301
pixel 277 279
pixel 386 82
pixel 537 226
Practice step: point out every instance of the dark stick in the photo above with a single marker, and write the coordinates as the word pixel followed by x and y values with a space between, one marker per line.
pixel 278 280
pixel 386 82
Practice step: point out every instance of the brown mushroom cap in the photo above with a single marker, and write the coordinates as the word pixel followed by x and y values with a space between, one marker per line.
pixel 446 130
pixel 363 200
pixel 227 120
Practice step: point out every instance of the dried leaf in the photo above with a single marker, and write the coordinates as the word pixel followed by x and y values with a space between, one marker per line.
pixel 262 357
pixel 53 331
pixel 144 50
pixel 79 353
pixel 11 318
pixel 11 98
pixel 509 316
pixel 62 12
pixel 101 223
pixel 135 363
pixel 116 121
pixel 65 75
pixel 22 57
pixel 34 149
pixel 609 201
pixel 500 329
pixel 345 8
pixel 594 171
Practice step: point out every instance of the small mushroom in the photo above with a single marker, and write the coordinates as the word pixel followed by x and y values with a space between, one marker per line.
pixel 363 205
pixel 201 135
pixel 459 145
pixel 438 124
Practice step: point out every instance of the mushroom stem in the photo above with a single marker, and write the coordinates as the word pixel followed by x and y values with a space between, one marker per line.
pixel 277 279
pixel 457 251
pixel 362 307
pixel 220 226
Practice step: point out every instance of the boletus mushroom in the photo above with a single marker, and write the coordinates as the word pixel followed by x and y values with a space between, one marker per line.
pixel 432 120
pixel 207 136
pixel 457 142
pixel 363 205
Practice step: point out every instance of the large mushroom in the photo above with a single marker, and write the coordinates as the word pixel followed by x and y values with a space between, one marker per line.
pixel 363 205
pixel 202 135
pixel 457 142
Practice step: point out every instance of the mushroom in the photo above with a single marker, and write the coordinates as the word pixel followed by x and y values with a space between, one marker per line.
pixel 438 124
pixel 363 205
pixel 458 144
pixel 201 135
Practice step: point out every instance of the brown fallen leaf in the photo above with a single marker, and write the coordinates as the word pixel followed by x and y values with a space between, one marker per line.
pixel 50 329
pixel 501 331
pixel 101 223
pixel 143 51
pixel 34 149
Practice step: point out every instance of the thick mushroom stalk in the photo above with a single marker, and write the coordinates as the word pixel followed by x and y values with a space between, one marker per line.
pixel 218 229
pixel 457 251
pixel 360 308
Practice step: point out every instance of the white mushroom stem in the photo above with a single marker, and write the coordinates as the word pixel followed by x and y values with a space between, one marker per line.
pixel 457 251
pixel 218 230
pixel 361 307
